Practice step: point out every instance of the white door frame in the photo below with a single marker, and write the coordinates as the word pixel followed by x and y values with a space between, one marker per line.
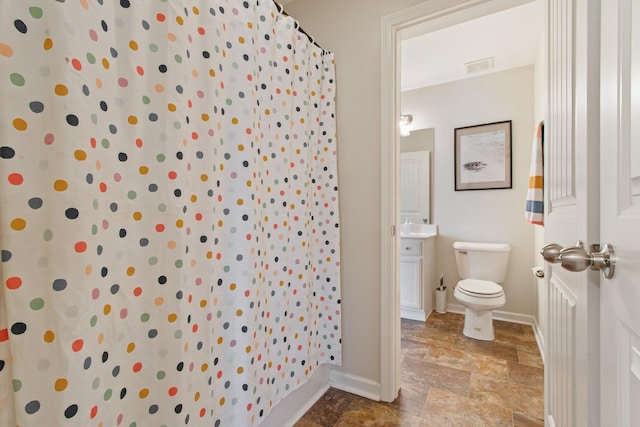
pixel 430 15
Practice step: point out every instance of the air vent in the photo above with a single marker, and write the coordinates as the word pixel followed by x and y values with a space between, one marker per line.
pixel 479 65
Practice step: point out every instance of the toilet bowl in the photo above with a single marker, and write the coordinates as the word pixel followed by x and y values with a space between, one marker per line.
pixel 482 266
pixel 479 297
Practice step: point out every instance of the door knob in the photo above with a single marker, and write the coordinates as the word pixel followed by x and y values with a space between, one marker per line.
pixel 576 258
pixel 551 252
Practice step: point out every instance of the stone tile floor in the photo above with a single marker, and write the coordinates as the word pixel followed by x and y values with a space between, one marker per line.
pixel 450 380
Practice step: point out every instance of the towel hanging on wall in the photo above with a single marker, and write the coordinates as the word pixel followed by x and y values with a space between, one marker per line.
pixel 534 211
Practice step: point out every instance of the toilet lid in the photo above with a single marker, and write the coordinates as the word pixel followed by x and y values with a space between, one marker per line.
pixel 480 287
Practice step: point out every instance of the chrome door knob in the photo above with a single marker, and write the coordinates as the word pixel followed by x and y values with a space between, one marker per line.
pixel 576 258
pixel 551 252
pixel 603 259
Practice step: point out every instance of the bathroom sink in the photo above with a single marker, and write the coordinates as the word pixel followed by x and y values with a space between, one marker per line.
pixel 418 231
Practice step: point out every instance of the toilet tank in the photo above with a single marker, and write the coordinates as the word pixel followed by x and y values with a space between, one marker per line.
pixel 483 261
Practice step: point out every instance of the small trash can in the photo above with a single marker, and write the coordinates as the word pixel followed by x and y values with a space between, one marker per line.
pixel 441 299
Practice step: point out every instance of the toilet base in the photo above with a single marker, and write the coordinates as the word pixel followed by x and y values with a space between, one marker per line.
pixel 478 325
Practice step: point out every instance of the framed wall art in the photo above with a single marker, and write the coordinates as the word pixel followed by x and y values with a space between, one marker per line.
pixel 483 156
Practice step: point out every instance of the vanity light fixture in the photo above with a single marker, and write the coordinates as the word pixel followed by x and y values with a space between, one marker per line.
pixel 405 121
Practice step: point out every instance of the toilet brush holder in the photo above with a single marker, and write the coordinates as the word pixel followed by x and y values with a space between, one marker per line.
pixel 441 299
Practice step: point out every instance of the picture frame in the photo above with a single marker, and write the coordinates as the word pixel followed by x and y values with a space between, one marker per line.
pixel 482 155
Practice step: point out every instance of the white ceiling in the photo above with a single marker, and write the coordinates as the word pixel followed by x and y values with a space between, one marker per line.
pixel 511 37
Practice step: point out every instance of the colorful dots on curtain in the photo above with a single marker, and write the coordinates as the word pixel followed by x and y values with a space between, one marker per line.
pixel 170 239
pixel 6 50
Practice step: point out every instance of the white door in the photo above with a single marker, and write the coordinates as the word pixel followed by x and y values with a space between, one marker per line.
pixel 414 186
pixel 620 212
pixel 572 201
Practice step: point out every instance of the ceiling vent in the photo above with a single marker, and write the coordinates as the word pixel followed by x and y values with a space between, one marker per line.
pixel 479 65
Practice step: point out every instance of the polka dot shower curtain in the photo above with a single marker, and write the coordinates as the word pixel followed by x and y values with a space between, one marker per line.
pixel 168 212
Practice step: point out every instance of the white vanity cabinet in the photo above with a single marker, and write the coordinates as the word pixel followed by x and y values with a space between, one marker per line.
pixel 416 277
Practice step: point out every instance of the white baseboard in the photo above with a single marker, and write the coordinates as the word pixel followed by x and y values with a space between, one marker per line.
pixel 507 316
pixel 296 404
pixel 290 409
pixel 413 314
pixel 537 332
pixel 455 308
pixel 525 319
pixel 356 385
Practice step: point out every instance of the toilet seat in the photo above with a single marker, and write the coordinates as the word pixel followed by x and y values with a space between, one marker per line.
pixel 480 288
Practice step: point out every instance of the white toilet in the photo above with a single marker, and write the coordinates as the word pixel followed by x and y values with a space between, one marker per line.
pixel 481 266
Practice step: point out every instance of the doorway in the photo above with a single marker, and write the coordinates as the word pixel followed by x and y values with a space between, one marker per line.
pixel 421 18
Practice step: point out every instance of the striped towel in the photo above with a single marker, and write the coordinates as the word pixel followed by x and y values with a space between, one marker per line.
pixel 534 211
